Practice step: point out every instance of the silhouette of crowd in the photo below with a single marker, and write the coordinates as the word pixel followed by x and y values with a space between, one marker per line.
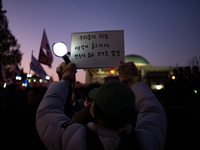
pixel 182 88
pixel 18 109
pixel 180 99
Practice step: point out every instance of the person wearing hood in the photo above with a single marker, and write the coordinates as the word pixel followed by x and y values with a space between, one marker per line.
pixel 115 125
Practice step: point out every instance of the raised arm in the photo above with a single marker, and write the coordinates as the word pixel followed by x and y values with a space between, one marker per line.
pixel 151 126
pixel 55 129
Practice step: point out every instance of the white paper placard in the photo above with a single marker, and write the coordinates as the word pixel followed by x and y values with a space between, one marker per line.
pixel 100 49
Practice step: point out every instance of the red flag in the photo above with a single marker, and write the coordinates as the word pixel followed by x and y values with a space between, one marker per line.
pixel 45 55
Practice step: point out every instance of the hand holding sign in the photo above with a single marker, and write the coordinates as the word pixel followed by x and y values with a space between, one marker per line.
pixel 101 49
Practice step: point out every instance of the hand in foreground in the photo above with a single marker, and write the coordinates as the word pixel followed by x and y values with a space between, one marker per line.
pixel 127 71
pixel 67 72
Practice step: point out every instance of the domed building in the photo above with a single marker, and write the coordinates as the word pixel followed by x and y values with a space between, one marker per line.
pixel 138 60
pixel 151 75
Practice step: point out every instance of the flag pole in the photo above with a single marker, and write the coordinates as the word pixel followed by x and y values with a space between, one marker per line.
pixel 31 61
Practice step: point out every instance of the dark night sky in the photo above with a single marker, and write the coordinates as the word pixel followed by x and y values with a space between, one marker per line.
pixel 165 32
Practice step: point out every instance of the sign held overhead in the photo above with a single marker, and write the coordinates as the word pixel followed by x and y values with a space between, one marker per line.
pixel 100 49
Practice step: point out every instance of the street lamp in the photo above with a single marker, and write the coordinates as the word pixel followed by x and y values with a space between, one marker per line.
pixel 60 50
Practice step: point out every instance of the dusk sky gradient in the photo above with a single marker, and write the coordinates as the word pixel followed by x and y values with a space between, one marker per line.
pixel 165 32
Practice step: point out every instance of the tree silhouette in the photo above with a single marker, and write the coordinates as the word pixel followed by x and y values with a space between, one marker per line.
pixel 195 61
pixel 9 48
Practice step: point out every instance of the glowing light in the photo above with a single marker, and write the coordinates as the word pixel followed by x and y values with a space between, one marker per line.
pixel 112 70
pixel 195 91
pixel 28 75
pixel 23 85
pixel 59 49
pixel 4 86
pixel 18 78
pixel 158 87
pixel 47 77
pixel 173 77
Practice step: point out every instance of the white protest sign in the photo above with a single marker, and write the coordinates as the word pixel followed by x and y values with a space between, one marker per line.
pixel 101 49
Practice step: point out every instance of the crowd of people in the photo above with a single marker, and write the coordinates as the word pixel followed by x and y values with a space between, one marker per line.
pixel 181 100
pixel 18 109
pixel 174 121
pixel 183 87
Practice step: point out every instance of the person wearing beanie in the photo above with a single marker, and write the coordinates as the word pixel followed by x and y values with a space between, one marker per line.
pixel 126 115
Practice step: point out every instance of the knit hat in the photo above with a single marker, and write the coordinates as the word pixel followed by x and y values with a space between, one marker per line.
pixel 114 98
